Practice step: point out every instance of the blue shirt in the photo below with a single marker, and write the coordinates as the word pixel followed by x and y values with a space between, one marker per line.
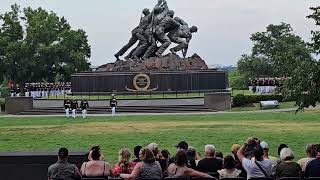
pixel 313 168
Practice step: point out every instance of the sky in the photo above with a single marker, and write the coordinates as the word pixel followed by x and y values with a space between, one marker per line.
pixel 225 26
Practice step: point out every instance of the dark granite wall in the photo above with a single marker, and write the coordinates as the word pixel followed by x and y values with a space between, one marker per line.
pixel 193 80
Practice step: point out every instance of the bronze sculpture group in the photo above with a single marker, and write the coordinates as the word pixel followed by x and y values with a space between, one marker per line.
pixel 158 27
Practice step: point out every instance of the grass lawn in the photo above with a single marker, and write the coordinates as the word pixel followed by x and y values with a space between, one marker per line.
pixel 222 130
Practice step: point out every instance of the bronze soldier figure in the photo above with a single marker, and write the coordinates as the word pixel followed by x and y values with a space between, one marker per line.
pixel 181 36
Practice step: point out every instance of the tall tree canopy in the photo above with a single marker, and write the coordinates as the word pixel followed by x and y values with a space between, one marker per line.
pixel 45 48
pixel 275 53
pixel 304 84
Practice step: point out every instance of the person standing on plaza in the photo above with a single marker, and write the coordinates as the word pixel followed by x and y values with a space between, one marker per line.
pixel 74 107
pixel 84 105
pixel 67 106
pixel 113 105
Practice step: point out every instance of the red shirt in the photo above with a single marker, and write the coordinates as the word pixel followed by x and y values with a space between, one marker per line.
pixel 117 169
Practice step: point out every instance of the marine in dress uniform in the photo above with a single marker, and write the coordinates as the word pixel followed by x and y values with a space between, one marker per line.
pixel 113 105
pixel 74 107
pixel 84 105
pixel 67 106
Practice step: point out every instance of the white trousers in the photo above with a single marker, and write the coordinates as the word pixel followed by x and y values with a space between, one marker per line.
pixel 67 113
pixel 84 113
pixel 113 110
pixel 74 113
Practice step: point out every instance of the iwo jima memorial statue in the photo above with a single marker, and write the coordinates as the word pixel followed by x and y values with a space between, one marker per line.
pixel 145 68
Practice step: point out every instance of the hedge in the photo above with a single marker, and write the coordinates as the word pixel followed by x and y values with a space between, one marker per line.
pixel 240 99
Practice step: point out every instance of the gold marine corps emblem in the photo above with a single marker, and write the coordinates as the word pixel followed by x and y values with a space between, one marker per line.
pixel 141 82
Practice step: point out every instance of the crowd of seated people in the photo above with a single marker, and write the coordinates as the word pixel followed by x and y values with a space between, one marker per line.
pixel 248 161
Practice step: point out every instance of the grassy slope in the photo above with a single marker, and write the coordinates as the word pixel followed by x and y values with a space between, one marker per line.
pixel 222 130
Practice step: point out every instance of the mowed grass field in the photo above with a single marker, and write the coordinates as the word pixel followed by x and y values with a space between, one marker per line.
pixel 222 130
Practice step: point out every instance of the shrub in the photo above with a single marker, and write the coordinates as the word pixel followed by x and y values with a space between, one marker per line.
pixel 240 99
pixel 5 92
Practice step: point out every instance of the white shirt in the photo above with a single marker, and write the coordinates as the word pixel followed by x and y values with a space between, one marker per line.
pixel 254 171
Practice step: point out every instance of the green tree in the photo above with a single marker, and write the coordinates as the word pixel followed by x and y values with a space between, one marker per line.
pixel 47 49
pixel 304 84
pixel 11 40
pixel 275 53
pixel 237 81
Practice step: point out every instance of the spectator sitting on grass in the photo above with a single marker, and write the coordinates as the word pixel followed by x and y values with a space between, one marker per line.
pixel 265 148
pixel 229 168
pixel 310 156
pixel 256 166
pixel 62 169
pixel 287 167
pixel 136 153
pixel 191 156
pixel 274 166
pixel 155 150
pixel 179 167
pixel 124 164
pixel 183 146
pixel 148 168
pixel 209 164
pixel 234 149
pixel 166 155
pixel 313 167
pixel 219 155
pixel 96 166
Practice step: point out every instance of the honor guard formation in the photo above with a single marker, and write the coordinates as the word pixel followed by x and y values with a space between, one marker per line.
pixel 40 90
pixel 265 85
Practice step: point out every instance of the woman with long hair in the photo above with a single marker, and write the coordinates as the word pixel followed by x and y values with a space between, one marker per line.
pixel 124 164
pixel 179 167
pixel 148 168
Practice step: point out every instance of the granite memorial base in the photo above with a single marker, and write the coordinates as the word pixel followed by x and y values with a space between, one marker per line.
pixel 150 81
pixel 18 104
pixel 220 101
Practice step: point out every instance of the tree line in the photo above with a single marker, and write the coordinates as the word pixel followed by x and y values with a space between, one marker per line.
pixel 278 52
pixel 39 46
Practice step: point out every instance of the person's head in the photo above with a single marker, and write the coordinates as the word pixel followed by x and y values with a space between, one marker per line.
pixel 286 154
pixel 137 150
pixel 229 162
pixel 191 152
pixel 235 148
pixel 310 151
pixel 95 152
pixel 258 153
pixel 181 158
pixel 182 146
pixel 194 29
pixel 209 150
pixel 171 13
pixel 165 154
pixel 317 149
pixel 146 155
pixel 154 148
pixel 63 154
pixel 219 154
pixel 264 146
pixel 281 146
pixel 124 155
pixel 146 11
